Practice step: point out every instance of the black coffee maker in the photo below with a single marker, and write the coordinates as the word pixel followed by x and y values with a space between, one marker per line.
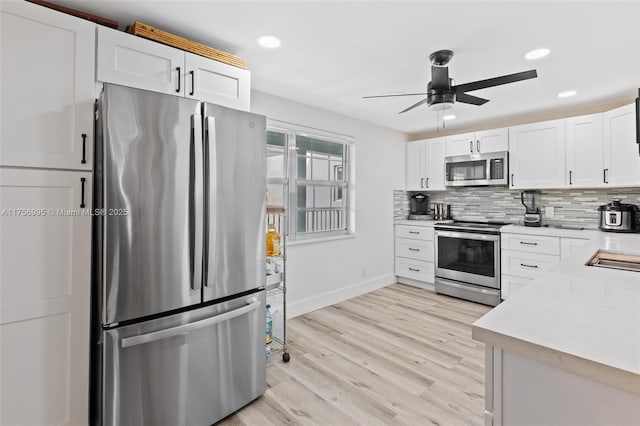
pixel 419 207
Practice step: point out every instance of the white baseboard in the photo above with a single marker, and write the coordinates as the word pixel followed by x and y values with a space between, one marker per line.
pixel 309 304
pixel 419 284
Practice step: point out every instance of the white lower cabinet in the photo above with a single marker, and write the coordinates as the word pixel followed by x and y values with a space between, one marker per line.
pixel 525 256
pixel 414 253
pixel 45 265
pixel 568 245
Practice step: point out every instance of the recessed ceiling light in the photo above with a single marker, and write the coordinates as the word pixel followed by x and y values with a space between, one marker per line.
pixel 269 41
pixel 449 117
pixel 537 54
pixel 567 94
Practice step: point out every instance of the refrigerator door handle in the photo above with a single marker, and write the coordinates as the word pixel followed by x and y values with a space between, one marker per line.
pixel 211 176
pixel 188 328
pixel 197 214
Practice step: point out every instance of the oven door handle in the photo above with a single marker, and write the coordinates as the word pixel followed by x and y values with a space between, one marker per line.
pixel 467 235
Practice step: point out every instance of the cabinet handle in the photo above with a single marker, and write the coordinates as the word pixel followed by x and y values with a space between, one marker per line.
pixel 471 147
pixel 427 183
pixel 605 178
pixel 512 179
pixel 414 232
pixel 421 182
pixel 179 78
pixel 529 266
pixel 193 84
pixel 528 244
pixel 570 177
pixel 414 269
pixel 413 249
pixel 82 180
pixel 84 149
pixel 478 146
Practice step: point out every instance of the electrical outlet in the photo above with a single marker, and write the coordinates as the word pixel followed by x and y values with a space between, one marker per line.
pixel 549 211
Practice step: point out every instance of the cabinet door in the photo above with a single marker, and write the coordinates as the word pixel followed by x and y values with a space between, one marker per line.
pixel 585 162
pixel 45 253
pixel 464 144
pixel 136 62
pixel 568 246
pixel 493 140
pixel 537 155
pixel 212 81
pixel 622 162
pixel 415 166
pixel 435 164
pixel 47 80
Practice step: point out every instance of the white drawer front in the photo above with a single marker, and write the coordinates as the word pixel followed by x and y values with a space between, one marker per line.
pixel 526 265
pixel 415 269
pixel 414 249
pixel 531 243
pixel 414 232
pixel 511 285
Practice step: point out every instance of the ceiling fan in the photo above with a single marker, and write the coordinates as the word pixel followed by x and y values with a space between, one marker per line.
pixel 442 94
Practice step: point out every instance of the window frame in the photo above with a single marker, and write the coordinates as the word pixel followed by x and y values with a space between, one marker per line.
pixel 291 132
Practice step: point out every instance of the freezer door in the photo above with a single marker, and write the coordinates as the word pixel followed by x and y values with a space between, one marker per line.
pixel 153 189
pixel 187 369
pixel 235 178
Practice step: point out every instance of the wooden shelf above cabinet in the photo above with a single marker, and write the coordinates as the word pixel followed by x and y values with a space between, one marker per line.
pixel 155 34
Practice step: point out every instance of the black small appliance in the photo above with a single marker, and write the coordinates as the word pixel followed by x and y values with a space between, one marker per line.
pixel 419 207
pixel 531 201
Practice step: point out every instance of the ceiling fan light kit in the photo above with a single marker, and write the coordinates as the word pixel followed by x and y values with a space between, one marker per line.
pixel 442 94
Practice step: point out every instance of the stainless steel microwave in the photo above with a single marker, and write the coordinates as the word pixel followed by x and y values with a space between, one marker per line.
pixel 477 169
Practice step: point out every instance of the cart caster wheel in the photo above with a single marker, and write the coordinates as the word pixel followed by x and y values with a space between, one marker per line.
pixel 286 357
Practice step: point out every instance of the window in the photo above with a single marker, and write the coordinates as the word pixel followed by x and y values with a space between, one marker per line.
pixel 317 166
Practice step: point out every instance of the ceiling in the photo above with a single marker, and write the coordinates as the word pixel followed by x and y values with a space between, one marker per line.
pixel 335 52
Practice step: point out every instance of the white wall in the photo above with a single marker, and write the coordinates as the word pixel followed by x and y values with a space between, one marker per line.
pixel 322 273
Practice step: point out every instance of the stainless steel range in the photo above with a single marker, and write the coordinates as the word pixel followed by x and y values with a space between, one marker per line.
pixel 468 261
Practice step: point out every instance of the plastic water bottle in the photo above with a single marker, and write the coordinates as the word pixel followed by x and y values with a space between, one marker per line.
pixel 269 330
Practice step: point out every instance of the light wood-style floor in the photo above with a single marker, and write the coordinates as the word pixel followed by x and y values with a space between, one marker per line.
pixel 397 356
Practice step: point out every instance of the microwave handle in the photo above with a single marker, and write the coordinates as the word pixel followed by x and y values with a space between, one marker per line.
pixel 471 147
pixel 478 146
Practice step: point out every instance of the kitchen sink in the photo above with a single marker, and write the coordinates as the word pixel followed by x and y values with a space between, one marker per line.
pixel 615 260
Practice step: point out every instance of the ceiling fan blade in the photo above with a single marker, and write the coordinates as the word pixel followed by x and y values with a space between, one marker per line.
pixel 439 78
pixel 424 101
pixel 468 99
pixel 389 96
pixel 496 81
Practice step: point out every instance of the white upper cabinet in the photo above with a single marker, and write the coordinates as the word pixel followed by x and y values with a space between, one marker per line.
pixel 213 81
pixel 434 164
pixel 47 81
pixel 537 155
pixel 415 162
pixel 485 141
pixel 137 62
pixel 425 165
pixel 621 158
pixel 585 161
pixel 462 144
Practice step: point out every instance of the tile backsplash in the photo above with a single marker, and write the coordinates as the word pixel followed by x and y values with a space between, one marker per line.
pixel 575 207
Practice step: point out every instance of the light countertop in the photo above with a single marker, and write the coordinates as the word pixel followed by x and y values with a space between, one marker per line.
pixel 551 231
pixel 579 318
pixel 419 222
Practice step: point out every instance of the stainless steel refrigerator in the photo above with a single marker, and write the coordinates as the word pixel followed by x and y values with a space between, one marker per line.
pixel 179 255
